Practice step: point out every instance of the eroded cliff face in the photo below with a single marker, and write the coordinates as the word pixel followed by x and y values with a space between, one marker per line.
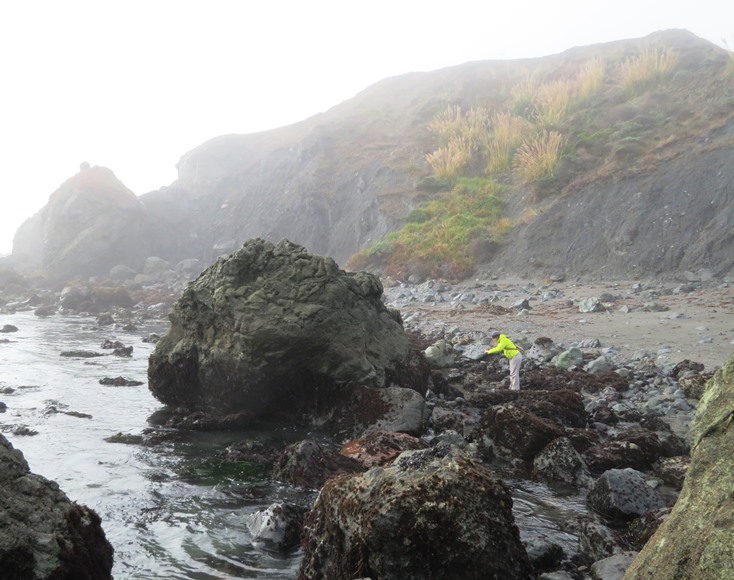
pixel 650 192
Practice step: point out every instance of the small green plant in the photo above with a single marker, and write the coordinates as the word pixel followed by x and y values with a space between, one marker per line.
pixel 439 234
pixel 538 157
pixel 648 68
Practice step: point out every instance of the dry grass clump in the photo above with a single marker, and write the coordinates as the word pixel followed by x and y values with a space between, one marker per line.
pixel 538 157
pixel 452 124
pixel 446 123
pixel 522 95
pixel 590 78
pixel 649 67
pixel 551 102
pixel 506 133
pixel 448 161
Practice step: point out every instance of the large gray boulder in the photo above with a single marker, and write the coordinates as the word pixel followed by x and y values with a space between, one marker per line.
pixel 434 513
pixel 43 535
pixel 273 332
pixel 697 539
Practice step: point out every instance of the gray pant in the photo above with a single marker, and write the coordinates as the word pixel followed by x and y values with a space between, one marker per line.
pixel 515 363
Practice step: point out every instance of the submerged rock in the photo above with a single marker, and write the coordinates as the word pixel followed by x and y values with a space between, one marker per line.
pixel 43 535
pixel 275 332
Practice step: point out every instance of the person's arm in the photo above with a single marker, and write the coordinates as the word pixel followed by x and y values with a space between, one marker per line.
pixel 501 344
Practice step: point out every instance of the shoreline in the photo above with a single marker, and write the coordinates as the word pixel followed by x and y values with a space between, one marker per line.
pixel 694 323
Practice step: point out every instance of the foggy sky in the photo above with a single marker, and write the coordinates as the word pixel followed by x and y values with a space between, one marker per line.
pixel 133 85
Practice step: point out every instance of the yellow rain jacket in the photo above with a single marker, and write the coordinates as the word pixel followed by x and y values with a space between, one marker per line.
pixel 505 346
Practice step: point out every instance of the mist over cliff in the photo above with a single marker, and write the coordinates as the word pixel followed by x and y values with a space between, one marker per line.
pixel 644 185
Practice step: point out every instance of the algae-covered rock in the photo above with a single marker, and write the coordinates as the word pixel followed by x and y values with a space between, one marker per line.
pixel 696 541
pixel 44 535
pixel 273 332
pixel 434 513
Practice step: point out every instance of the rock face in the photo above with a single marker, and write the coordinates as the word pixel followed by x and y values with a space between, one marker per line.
pixel 275 332
pixel 91 223
pixel 433 513
pixel 42 534
pixel 344 179
pixel 697 538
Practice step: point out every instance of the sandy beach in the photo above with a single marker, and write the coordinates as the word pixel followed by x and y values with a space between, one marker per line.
pixel 697 325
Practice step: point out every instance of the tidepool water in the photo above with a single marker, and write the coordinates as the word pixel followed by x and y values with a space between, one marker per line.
pixel 170 511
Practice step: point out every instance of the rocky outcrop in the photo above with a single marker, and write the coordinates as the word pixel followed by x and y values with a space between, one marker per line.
pixel 696 539
pixel 43 535
pixel 91 223
pixel 432 514
pixel 343 180
pixel 275 332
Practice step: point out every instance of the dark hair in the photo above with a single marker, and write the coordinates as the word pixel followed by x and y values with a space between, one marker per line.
pixel 495 334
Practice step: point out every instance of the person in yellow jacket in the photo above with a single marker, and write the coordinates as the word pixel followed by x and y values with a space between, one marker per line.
pixel 513 354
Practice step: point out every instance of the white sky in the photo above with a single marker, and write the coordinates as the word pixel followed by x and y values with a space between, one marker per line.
pixel 134 84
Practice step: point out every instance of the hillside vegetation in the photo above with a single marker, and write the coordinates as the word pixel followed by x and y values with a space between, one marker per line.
pixel 548 132
pixel 607 161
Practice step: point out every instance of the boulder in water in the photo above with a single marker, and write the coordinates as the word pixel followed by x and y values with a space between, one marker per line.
pixel 434 513
pixel 273 332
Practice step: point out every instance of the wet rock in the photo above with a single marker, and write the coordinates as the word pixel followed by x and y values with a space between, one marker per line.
pixel 544 555
pixel 369 410
pixel 75 295
pixel 80 354
pixel 9 328
pixel 543 349
pixel 672 470
pixel 309 464
pixel 613 567
pixel 277 527
pixel 125 351
pixel 641 529
pixel 45 310
pixel 264 453
pixel 559 462
pixel 380 447
pixel 110 297
pixel 696 539
pixel 622 495
pixel 43 535
pixel 569 359
pixel 275 332
pixel 597 540
pixel 119 382
pixel 509 432
pixel 432 514
pixel 440 354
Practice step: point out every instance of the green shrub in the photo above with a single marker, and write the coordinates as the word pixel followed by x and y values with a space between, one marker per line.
pixel 440 234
